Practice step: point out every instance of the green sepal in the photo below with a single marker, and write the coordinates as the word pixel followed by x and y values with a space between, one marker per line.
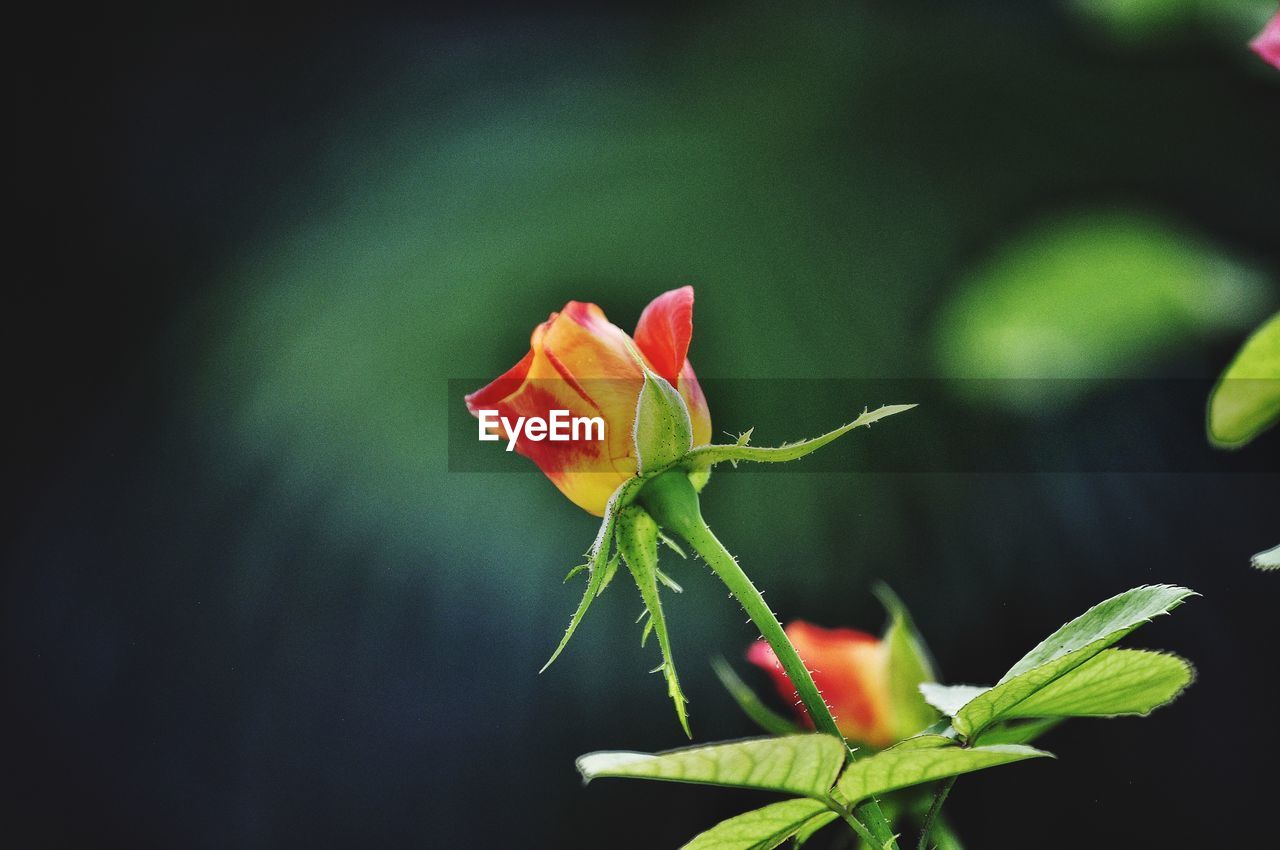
pixel 662 431
pixel 909 666
pixel 706 456
pixel 670 542
pixel 637 538
pixel 599 565
pixel 670 583
pixel 610 570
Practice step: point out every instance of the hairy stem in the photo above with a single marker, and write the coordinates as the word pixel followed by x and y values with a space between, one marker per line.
pixel 939 797
pixel 859 827
pixel 672 501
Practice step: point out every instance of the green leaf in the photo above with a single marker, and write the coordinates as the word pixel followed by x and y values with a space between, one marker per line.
pixel 1268 560
pixel 1111 619
pixel 805 765
pixel 812 826
pixel 759 829
pixel 1018 731
pixel 704 456
pixel 763 716
pixel 637 536
pixel 1246 400
pixel 922 759
pixel 662 430
pixel 1066 649
pixel 949 698
pixel 600 565
pixel 909 666
pixel 1113 683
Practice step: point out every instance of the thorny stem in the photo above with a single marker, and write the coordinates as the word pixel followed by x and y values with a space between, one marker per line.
pixel 939 797
pixel 858 827
pixel 672 501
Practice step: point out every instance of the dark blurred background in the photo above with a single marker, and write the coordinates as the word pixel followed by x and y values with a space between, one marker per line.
pixel 249 605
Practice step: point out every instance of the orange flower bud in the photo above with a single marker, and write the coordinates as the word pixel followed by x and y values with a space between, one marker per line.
pixel 851 670
pixel 579 362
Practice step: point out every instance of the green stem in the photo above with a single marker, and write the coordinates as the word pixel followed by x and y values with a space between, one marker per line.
pixel 939 797
pixel 673 502
pixel 858 827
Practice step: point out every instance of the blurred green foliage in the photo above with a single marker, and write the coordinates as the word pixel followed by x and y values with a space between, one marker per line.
pixel 1088 296
pixel 265 609
pixel 820 180
pixel 1130 23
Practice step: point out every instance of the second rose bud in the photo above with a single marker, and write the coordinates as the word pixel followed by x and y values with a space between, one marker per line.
pixel 871 683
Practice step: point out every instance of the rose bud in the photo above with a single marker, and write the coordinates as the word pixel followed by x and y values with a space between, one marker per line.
pixel 1267 42
pixel 581 363
pixel 871 684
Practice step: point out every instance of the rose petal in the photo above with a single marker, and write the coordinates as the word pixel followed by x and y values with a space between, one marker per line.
pixel 664 331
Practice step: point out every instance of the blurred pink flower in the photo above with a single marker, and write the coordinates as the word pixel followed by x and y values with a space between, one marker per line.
pixel 1267 42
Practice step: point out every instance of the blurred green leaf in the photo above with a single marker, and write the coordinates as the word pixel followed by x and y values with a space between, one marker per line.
pixel 1066 649
pixel 1246 400
pixel 1086 297
pixel 761 829
pixel 763 716
pixel 922 759
pixel 805 765
pixel 1115 682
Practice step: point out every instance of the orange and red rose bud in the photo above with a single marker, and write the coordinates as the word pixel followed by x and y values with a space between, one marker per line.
pixel 581 363
pixel 869 683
